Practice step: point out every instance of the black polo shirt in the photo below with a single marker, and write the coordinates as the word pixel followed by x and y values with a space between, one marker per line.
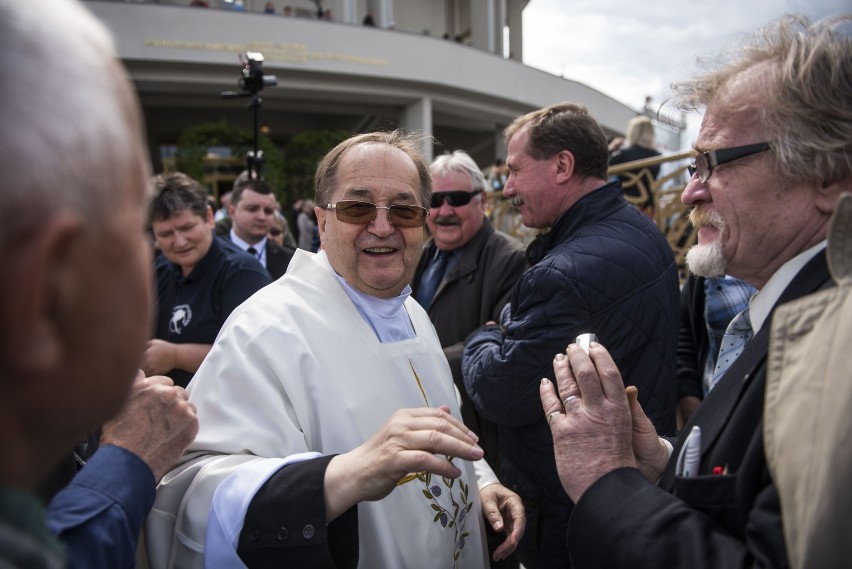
pixel 203 300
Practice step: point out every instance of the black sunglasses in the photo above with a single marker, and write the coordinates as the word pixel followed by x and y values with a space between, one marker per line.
pixel 705 161
pixel 363 213
pixel 456 198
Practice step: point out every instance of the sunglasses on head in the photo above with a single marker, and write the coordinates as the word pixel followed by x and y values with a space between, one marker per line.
pixel 363 213
pixel 455 198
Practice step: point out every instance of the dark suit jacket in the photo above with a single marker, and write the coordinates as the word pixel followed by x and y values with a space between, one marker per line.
pixel 692 341
pixel 277 259
pixel 472 292
pixel 730 519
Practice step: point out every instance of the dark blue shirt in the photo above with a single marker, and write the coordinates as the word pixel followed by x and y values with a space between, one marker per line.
pixel 202 301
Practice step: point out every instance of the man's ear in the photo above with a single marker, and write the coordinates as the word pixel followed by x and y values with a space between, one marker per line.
pixel 211 217
pixel 828 194
pixel 321 219
pixel 563 166
pixel 36 287
pixel 483 202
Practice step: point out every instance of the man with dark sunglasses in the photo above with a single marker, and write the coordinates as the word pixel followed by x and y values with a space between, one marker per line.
pixel 602 268
pixel 466 274
pixel 740 487
pixel 331 434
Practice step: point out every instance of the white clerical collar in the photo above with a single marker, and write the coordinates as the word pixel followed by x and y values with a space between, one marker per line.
pixel 386 316
pixel 762 302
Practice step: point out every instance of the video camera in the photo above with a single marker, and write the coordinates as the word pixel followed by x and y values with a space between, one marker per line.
pixel 252 78
pixel 251 82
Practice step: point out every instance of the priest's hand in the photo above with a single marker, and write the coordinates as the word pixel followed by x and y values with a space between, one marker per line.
pixel 590 418
pixel 412 440
pixel 504 510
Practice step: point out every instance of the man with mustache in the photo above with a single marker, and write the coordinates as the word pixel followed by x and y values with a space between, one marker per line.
pixel 772 156
pixel 330 432
pixel 466 273
pixel 602 268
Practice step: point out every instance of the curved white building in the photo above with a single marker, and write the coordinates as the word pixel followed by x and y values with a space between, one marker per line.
pixel 340 74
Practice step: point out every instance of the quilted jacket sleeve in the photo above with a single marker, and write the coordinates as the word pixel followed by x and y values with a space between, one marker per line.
pixel 503 366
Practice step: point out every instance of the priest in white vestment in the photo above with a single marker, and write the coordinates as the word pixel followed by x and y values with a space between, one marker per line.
pixel 330 432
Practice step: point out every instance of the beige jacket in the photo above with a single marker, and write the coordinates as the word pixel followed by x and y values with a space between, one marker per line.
pixel 808 415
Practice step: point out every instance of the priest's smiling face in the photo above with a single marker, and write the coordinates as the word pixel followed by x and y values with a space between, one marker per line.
pixel 377 258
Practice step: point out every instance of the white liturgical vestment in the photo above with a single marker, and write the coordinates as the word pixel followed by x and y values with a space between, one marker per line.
pixel 296 369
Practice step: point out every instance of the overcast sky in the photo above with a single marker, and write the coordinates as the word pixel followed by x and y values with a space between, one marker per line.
pixel 628 49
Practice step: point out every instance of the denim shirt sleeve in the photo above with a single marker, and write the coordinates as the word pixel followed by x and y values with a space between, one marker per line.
pixel 99 515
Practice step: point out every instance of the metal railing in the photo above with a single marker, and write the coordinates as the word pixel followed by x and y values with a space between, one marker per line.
pixel 667 212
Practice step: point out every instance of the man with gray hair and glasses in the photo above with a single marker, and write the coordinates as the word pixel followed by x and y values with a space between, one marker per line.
pixel 772 157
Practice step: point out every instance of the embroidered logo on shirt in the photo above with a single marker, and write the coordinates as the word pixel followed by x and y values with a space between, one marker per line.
pixel 181 316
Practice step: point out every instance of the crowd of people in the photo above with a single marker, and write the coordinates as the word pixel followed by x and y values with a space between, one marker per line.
pixel 386 394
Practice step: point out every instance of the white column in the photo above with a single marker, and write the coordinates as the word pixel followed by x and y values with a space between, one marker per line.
pixel 386 14
pixel 500 150
pixel 516 34
pixel 483 23
pixel 418 117
pixel 499 23
pixel 348 12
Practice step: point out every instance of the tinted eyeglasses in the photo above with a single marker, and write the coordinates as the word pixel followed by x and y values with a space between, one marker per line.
pixel 275 232
pixel 456 198
pixel 705 162
pixel 363 213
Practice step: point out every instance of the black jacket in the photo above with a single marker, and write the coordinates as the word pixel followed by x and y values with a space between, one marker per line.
pixel 603 268
pixel 692 342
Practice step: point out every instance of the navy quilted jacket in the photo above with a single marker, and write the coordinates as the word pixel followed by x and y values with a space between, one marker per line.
pixel 603 268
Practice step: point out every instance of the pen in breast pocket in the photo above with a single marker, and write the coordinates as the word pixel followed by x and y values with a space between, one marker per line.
pixel 690 455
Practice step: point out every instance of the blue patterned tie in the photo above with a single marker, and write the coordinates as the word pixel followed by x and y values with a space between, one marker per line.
pixel 431 278
pixel 738 333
